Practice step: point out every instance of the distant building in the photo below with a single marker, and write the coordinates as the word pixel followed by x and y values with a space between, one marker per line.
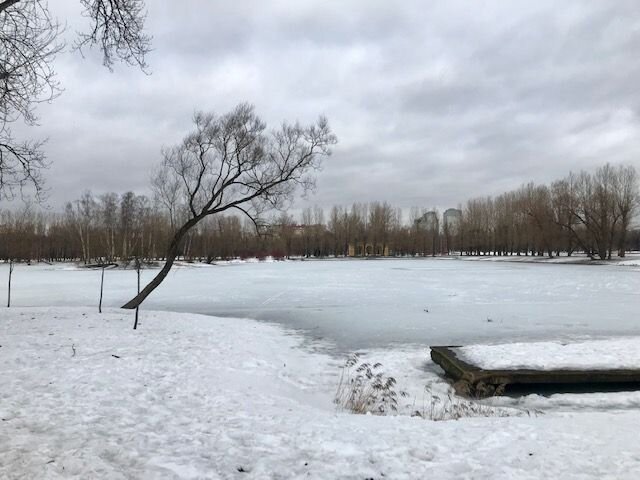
pixel 360 249
pixel 452 217
pixel 428 221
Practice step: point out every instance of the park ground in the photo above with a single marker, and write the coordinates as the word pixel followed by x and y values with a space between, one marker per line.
pixel 199 396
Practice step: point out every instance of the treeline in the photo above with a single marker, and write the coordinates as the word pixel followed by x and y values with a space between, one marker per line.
pixel 584 212
pixel 590 213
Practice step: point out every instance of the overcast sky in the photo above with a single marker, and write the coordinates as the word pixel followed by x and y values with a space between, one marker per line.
pixel 432 102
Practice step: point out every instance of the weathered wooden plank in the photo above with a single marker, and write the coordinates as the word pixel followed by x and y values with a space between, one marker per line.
pixel 470 380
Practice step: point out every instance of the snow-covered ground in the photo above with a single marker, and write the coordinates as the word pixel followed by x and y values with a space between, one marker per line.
pixel 365 304
pixel 189 396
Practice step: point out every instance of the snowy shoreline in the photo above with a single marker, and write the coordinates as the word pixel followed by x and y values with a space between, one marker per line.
pixel 632 259
pixel 190 396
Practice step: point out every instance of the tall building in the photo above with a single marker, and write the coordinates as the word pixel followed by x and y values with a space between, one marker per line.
pixel 452 217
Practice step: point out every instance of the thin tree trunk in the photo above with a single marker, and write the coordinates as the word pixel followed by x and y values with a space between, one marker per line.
pixel 101 288
pixel 135 325
pixel 622 241
pixel 9 288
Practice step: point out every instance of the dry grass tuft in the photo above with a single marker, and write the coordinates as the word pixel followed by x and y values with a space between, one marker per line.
pixel 452 407
pixel 363 388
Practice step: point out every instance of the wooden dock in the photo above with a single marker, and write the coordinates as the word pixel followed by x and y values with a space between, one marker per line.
pixel 472 381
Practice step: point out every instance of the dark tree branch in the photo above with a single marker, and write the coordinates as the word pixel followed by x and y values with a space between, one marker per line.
pixel 29 43
pixel 118 30
pixel 6 4
pixel 21 165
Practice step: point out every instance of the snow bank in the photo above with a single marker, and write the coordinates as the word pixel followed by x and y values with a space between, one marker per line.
pixel 630 263
pixel 188 396
pixel 632 259
pixel 619 353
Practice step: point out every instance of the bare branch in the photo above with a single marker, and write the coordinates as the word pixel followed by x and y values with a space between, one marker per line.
pixel 21 165
pixel 117 30
pixel 29 42
pixel 28 45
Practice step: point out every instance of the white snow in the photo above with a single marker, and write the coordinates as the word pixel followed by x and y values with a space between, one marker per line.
pixel 191 396
pixel 631 259
pixel 634 262
pixel 195 396
pixel 614 353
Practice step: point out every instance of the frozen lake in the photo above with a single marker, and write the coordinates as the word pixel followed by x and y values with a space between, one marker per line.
pixel 360 304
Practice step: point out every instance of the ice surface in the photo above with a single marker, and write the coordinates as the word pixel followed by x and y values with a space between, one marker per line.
pixel 362 304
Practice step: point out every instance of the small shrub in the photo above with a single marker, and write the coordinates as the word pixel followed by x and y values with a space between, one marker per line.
pixel 363 388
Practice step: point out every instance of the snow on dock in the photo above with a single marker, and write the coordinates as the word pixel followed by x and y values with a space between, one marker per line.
pixel 618 353
pixel 485 370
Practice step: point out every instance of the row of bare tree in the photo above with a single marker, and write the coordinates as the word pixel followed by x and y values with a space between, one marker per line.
pixel 584 212
pixel 113 227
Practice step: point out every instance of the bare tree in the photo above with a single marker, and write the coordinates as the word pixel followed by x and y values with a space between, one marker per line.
pixel 626 201
pixel 286 231
pixel 118 30
pixel 229 162
pixel 318 232
pixel 566 212
pixel 29 43
pixel 166 189
pixel 605 215
pixel 336 227
pixel 594 208
pixel 536 204
pixel 380 221
pixel 306 221
pixel 108 213
pixel 82 215
pixel 128 230
pixel 358 219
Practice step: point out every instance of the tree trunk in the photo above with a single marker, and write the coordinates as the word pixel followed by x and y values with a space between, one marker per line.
pixel 101 289
pixel 135 325
pixel 9 285
pixel 6 4
pixel 172 253
pixel 622 239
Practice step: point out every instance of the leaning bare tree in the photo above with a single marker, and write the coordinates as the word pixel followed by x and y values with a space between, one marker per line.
pixel 29 42
pixel 231 162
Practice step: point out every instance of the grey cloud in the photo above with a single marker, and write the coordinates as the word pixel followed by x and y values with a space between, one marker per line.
pixel 433 102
